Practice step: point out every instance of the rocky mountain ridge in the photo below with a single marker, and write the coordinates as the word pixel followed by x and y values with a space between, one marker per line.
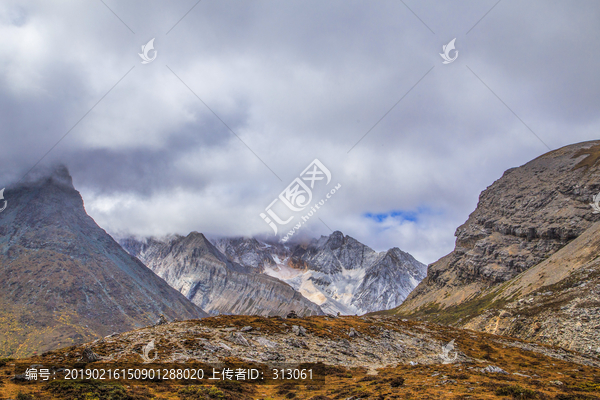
pixel 250 252
pixel 343 275
pixel 196 268
pixel 525 262
pixel 336 272
pixel 555 302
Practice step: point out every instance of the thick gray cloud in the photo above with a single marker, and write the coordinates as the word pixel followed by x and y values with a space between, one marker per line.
pixel 295 81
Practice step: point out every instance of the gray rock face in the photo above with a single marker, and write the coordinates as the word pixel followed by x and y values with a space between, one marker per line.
pixel 197 269
pixel 389 281
pixel 337 272
pixel 333 254
pixel 63 274
pixel 352 278
pixel 247 251
pixel 557 302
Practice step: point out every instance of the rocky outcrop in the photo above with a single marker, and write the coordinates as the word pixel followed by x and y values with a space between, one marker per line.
pixel 523 218
pixel 197 269
pixel 354 342
pixel 333 358
pixel 556 302
pixel 64 279
pixel 525 262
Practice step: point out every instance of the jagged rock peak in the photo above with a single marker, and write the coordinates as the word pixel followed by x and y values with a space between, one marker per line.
pixel 91 286
pixel 197 237
pixel 343 275
pixel 248 251
pixel 336 240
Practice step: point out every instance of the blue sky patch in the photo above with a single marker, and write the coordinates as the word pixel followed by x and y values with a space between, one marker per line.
pixel 400 215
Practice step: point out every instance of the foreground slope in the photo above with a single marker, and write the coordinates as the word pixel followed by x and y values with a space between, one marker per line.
pixel 351 358
pixel 523 218
pixel 555 302
pixel 64 279
pixel 196 268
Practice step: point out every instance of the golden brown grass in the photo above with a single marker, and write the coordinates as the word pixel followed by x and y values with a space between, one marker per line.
pixel 437 381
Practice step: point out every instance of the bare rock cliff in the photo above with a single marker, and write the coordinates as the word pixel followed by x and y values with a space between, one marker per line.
pixel 526 216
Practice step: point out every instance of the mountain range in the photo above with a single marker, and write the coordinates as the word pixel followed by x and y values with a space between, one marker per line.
pixel 525 264
pixel 195 267
pixel 343 275
pixel 333 274
pixel 337 272
pixel 67 281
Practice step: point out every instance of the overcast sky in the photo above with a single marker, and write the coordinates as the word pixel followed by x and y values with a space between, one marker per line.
pixel 289 82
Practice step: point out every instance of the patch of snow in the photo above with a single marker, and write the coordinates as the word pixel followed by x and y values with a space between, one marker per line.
pixel 413 282
pixel 333 298
pixel 282 272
